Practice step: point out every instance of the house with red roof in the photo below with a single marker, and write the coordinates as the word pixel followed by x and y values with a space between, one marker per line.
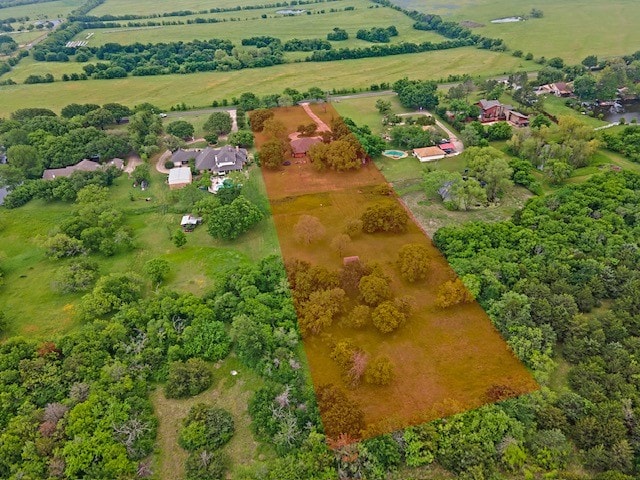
pixel 300 146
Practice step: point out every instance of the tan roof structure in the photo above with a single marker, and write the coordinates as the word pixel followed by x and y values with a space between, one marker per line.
pixel 426 154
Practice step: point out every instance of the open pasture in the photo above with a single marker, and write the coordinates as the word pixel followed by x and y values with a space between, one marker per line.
pixel 152 7
pixel 317 25
pixel 446 360
pixel 200 89
pixel 55 9
pixel 28 273
pixel 571 29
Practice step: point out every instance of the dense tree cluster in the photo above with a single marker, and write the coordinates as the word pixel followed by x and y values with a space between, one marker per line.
pixel 337 35
pixel 556 153
pixel 561 255
pixel 384 217
pixel 626 142
pixel 416 94
pixel 377 34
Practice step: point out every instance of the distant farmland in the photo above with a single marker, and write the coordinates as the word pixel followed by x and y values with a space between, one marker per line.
pixel 571 29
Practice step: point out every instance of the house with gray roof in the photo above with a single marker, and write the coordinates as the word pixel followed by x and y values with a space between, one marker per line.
pixel 215 160
pixel 82 166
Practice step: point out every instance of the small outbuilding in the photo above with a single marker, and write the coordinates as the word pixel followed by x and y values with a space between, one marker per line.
pixel 189 222
pixel 179 177
pixel 428 154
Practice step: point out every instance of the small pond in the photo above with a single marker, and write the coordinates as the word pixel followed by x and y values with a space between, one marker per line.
pixel 507 20
pixel 631 111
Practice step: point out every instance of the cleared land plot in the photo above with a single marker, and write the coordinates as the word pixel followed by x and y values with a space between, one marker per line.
pixel 231 393
pixel 56 9
pixel 303 26
pixel 446 360
pixel 28 274
pixel 200 89
pixel 570 29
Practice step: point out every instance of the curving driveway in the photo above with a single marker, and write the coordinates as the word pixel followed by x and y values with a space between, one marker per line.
pixel 453 138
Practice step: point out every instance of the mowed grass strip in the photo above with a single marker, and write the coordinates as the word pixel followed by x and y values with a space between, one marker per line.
pixel 316 25
pixel 200 89
pixel 570 29
pixel 446 360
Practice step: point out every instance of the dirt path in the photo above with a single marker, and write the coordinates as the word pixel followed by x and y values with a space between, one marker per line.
pixel 133 161
pixel 160 163
pixel 453 138
pixel 322 127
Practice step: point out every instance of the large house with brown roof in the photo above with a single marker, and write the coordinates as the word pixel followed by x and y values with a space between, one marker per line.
pixel 215 160
pixel 300 146
pixel 495 111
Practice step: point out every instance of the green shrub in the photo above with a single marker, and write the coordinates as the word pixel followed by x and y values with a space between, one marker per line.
pixel 206 428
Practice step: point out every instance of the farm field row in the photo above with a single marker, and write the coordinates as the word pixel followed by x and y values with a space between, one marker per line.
pixel 284 27
pixel 570 29
pixel 200 89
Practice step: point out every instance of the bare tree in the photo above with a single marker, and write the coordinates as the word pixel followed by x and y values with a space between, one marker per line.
pixel 308 229
pixel 129 432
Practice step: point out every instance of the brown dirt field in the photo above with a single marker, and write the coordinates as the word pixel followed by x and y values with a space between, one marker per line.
pixel 445 360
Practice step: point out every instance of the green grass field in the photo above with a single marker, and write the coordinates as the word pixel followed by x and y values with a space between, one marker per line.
pixel 149 7
pixel 24 37
pixel 28 66
pixel 200 89
pixel 284 27
pixel 556 106
pixel 27 293
pixel 56 9
pixel 571 29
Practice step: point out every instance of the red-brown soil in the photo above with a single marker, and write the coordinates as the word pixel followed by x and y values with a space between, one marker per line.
pixel 446 360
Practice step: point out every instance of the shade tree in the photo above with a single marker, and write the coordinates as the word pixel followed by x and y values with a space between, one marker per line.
pixel 380 371
pixel 413 262
pixel 218 123
pixel 181 129
pixel 384 217
pixel 186 379
pixel 453 292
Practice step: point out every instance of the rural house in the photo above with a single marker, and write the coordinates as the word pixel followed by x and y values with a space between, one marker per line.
pixel 559 89
pixel 428 154
pixel 215 160
pixel 491 110
pixel 300 146
pixel 495 111
pixel 82 166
